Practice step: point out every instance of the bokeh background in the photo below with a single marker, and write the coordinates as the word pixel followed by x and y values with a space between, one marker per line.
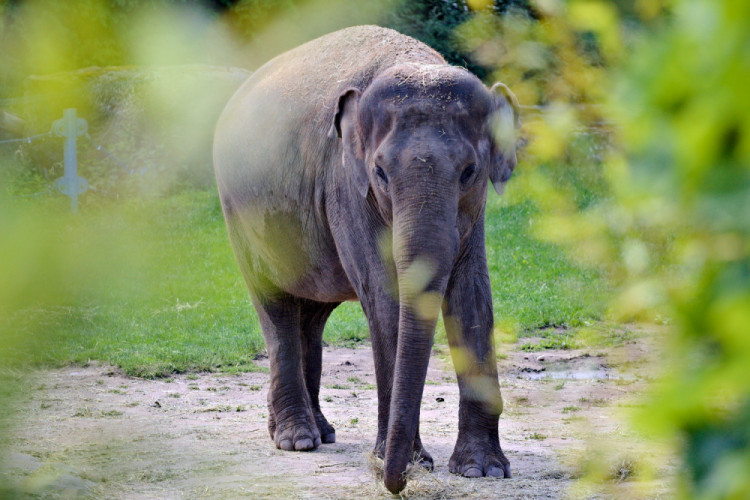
pixel 631 203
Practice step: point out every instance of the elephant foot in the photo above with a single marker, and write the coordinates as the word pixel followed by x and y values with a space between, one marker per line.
pixel 327 432
pixel 421 457
pixel 477 457
pixel 294 429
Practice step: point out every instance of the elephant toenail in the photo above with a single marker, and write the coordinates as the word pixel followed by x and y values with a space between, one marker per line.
pixel 506 468
pixel 303 444
pixel 317 442
pixel 494 472
pixel 329 438
pixel 286 444
pixel 472 472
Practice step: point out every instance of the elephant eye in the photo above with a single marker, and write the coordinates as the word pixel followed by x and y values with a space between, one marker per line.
pixel 379 172
pixel 467 174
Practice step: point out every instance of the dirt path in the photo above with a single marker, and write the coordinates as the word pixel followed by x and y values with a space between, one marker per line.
pixel 93 432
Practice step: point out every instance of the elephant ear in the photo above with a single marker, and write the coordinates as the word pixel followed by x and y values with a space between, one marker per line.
pixel 506 119
pixel 346 127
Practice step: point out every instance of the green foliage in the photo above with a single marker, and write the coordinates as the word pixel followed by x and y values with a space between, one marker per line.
pixel 46 36
pixel 435 23
pixel 665 212
pixel 687 125
pixel 85 33
pixel 249 17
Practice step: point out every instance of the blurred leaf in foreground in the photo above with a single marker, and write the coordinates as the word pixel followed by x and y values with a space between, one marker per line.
pixel 668 80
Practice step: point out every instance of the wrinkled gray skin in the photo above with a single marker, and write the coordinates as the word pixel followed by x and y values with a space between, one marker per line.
pixel 340 164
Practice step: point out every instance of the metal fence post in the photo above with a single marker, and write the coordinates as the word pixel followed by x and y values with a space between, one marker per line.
pixel 70 184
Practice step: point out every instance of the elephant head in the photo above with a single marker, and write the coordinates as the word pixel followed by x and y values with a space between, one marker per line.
pixel 420 143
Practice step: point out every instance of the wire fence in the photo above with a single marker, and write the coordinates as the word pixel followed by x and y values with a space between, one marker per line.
pixel 28 139
pixel 109 155
pixel 104 151
pixel 68 128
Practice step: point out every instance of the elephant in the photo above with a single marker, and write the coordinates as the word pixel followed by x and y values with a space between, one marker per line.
pixel 355 167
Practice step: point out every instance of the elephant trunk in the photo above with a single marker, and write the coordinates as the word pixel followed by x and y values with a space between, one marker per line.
pixel 425 248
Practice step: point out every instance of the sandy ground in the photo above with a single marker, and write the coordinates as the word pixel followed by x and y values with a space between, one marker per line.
pixel 92 432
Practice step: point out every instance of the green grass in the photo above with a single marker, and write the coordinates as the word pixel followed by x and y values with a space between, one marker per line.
pixel 535 284
pixel 154 289
pixel 551 339
pixel 170 299
pixel 537 436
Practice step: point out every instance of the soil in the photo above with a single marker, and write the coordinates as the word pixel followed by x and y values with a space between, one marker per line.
pixel 93 432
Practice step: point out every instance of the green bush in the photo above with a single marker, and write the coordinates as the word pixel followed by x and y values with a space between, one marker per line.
pixel 155 126
pixel 670 223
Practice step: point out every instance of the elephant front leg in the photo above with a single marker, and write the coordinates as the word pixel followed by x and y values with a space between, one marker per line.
pixel 467 313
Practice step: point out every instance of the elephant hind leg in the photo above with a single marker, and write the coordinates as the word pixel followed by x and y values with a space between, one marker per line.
pixel 313 319
pixel 292 423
